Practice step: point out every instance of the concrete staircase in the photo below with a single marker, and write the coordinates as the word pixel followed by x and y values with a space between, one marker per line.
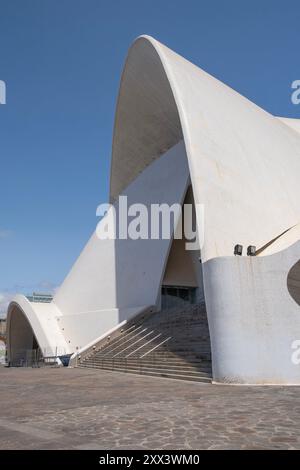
pixel 171 343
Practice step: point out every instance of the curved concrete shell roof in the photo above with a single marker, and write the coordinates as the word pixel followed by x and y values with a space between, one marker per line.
pixel 244 163
pixel 244 166
pixel 147 123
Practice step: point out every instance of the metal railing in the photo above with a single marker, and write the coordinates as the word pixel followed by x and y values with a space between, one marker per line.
pixel 36 358
pixel 134 363
pixel 126 352
pixel 117 333
pixel 36 297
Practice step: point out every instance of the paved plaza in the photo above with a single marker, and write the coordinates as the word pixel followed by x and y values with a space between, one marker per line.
pixel 53 408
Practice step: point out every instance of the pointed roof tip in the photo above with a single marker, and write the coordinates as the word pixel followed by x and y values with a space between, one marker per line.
pixel 145 36
pixel 155 42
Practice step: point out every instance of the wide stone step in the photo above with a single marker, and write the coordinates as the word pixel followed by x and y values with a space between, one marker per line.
pixel 180 369
pixel 155 373
pixel 149 365
pixel 163 356
pixel 171 354
pixel 184 355
pixel 171 365
pixel 170 325
pixel 186 344
pixel 162 372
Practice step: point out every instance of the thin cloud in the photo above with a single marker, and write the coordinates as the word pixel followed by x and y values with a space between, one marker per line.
pixel 5 233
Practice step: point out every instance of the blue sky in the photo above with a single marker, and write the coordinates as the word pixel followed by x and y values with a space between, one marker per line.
pixel 61 61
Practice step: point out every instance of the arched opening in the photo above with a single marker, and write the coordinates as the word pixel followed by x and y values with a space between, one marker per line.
pixel 23 346
pixel 293 282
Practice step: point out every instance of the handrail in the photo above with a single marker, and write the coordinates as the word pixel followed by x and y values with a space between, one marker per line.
pixel 132 344
pixel 143 345
pixel 125 340
pixel 118 339
pixel 155 347
pixel 111 334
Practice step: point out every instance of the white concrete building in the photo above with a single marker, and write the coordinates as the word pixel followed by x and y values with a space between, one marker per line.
pixel 181 134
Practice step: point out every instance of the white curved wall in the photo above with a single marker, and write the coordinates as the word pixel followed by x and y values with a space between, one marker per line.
pixel 244 163
pixel 293 123
pixel 113 280
pixel 44 321
pixel 253 319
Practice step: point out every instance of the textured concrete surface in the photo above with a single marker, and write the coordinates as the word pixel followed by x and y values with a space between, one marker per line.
pixel 84 409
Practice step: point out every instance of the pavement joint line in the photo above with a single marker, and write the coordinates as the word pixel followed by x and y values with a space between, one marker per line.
pixel 29 430
pixel 89 446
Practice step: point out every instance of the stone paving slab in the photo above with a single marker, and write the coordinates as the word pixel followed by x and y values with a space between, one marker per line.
pixel 61 408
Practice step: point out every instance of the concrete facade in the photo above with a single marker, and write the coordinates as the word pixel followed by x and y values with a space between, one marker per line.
pixel 179 129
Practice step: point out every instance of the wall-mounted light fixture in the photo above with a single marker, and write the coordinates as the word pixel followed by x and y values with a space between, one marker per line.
pixel 238 250
pixel 251 250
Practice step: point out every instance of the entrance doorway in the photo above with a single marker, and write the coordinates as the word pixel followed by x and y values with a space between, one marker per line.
pixel 172 296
